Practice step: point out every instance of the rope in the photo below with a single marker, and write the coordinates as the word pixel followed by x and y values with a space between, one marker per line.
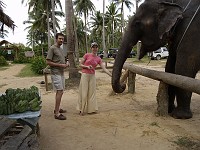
pixel 188 24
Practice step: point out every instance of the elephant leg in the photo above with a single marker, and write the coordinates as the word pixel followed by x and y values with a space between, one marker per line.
pixel 183 97
pixel 171 93
pixel 170 67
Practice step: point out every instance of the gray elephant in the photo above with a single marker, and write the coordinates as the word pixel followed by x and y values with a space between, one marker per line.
pixel 157 22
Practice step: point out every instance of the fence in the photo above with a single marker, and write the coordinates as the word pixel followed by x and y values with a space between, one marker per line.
pixel 165 78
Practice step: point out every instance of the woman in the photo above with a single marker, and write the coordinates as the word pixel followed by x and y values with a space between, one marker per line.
pixel 87 89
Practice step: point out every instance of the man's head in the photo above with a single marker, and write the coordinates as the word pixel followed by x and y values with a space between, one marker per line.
pixel 59 38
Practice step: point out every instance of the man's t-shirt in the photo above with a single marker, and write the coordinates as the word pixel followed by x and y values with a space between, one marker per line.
pixel 56 55
pixel 91 59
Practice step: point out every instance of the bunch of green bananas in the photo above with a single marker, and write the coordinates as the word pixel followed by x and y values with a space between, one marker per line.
pixel 3 107
pixel 34 104
pixel 20 100
pixel 22 106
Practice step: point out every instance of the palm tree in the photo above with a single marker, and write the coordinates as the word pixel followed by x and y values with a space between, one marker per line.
pixel 79 34
pixel 96 26
pixel 45 8
pixel 73 72
pixel 112 18
pixel 128 4
pixel 53 18
pixel 139 43
pixel 5 20
pixel 84 7
pixel 104 43
pixel 38 23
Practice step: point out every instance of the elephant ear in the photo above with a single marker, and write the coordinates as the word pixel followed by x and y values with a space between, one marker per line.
pixel 168 15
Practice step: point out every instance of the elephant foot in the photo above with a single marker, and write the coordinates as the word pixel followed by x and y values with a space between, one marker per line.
pixel 171 108
pixel 179 113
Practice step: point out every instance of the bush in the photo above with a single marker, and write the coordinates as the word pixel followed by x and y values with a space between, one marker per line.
pixel 38 64
pixel 3 61
pixel 22 59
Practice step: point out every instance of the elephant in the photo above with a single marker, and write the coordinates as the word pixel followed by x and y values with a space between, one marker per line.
pixel 157 23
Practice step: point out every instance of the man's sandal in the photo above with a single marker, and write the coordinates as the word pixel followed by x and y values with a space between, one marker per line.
pixel 60 117
pixel 61 111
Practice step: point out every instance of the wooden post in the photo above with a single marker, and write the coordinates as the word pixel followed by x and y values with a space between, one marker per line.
pixel 162 99
pixel 46 81
pixel 131 82
pixel 106 64
pixel 123 79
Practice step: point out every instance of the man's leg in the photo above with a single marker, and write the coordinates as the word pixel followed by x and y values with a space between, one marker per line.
pixel 58 97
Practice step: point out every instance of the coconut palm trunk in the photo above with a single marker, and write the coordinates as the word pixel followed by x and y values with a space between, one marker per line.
pixel 53 18
pixel 48 28
pixel 104 42
pixel 73 71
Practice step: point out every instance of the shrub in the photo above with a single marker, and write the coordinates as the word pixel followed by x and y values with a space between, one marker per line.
pixel 22 59
pixel 38 64
pixel 3 61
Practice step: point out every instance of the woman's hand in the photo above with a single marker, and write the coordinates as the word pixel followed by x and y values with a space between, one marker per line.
pixel 89 67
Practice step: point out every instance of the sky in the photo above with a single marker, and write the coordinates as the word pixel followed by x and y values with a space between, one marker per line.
pixel 19 13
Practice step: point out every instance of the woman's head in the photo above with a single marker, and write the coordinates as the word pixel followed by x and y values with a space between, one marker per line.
pixel 94 47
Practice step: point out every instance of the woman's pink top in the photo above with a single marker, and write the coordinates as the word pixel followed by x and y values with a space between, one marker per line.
pixel 91 59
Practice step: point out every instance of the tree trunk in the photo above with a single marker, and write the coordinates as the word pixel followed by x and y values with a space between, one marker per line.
pixel 139 43
pixel 73 70
pixel 53 18
pixel 48 26
pixel 104 43
pixel 86 43
pixel 76 39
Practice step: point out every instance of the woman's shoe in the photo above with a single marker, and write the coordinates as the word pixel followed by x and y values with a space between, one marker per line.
pixel 81 113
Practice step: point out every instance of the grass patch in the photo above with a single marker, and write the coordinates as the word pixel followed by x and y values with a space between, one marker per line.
pixel 144 61
pixel 3 68
pixel 27 72
pixel 189 144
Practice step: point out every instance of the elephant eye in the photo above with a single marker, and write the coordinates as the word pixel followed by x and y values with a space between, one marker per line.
pixel 137 23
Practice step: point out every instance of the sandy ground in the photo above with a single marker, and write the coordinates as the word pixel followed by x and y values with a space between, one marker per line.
pixel 124 122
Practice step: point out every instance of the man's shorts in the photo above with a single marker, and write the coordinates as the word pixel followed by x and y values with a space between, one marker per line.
pixel 58 82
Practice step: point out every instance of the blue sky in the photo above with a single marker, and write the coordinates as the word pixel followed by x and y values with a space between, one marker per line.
pixel 18 13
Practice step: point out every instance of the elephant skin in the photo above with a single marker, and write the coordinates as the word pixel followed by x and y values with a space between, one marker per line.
pixel 157 23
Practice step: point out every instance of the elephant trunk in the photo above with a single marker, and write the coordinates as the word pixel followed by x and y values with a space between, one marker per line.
pixel 123 53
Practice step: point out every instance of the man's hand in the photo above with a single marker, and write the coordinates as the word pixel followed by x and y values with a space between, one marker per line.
pixel 67 63
pixel 64 65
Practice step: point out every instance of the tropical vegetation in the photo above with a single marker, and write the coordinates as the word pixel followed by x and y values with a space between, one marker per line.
pixel 84 24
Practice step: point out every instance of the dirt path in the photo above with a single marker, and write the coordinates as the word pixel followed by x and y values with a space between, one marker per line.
pixel 125 121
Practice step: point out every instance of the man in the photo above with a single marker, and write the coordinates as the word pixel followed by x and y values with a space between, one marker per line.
pixel 56 60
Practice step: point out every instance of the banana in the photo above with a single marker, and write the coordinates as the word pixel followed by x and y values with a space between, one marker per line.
pixel 36 108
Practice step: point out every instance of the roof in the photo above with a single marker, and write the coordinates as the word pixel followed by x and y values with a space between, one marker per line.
pixel 7 46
